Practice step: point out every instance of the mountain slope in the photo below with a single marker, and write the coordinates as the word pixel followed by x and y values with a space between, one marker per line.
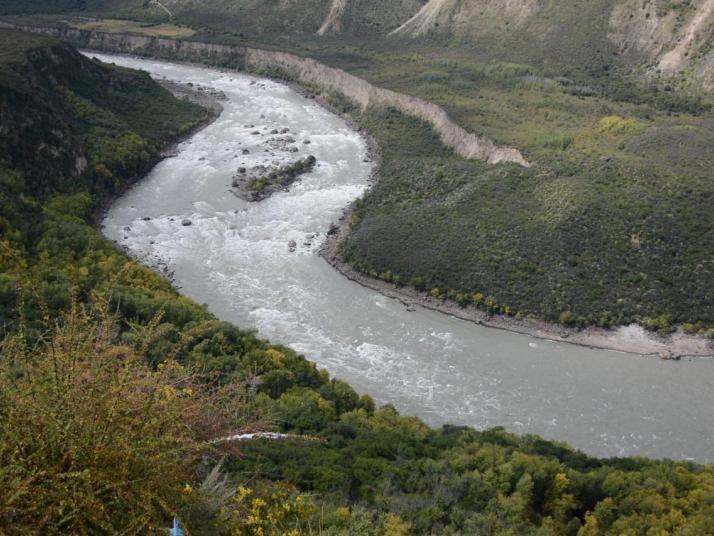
pixel 73 132
pixel 669 37
pixel 462 18
pixel 105 424
pixel 70 115
pixel 657 37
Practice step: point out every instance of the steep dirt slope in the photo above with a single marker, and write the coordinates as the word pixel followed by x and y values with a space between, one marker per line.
pixel 672 36
pixel 463 18
pixel 693 37
pixel 435 13
pixel 551 34
pixel 333 21
pixel 370 19
pixel 666 35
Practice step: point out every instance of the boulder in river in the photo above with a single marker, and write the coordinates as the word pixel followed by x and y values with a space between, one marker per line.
pixel 261 182
pixel 186 222
pixel 667 355
pixel 292 245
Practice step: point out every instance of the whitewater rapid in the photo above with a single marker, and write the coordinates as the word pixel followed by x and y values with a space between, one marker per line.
pixel 234 257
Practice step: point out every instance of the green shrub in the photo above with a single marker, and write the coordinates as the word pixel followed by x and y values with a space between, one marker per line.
pixel 662 324
pixel 93 439
pixel 258 185
pixel 567 318
pixel 555 140
pixel 614 124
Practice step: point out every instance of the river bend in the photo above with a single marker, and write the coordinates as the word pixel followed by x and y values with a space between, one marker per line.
pixel 234 257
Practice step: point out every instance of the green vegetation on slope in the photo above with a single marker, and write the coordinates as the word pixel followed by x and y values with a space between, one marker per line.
pixel 113 387
pixel 109 428
pixel 74 132
pixel 611 225
pixel 245 18
pixel 590 241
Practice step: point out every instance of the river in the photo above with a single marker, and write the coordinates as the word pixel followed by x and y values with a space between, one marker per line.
pixel 234 257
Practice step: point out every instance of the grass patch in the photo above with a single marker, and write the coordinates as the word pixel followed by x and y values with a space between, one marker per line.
pixel 555 140
pixel 170 31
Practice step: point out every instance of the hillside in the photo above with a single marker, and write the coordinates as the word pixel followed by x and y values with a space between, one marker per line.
pixel 113 388
pixel 72 127
pixel 659 38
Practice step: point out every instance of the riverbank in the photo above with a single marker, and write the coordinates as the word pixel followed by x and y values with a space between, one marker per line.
pixel 210 100
pixel 632 339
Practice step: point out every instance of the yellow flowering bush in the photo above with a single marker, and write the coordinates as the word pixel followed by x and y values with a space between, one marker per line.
pixel 277 510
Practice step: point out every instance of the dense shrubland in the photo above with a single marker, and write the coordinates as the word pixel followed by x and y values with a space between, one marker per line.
pixel 113 388
pixel 578 239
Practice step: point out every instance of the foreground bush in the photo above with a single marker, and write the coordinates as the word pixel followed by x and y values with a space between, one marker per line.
pixel 93 440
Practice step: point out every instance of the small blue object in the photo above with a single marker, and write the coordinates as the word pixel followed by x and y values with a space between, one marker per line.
pixel 176 530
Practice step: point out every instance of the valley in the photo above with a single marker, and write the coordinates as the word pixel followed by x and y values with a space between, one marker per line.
pixel 542 167
pixel 619 186
pixel 235 258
